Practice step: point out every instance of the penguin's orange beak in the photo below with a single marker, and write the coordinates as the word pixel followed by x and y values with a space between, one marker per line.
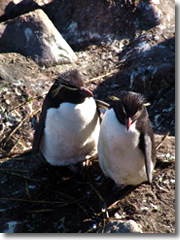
pixel 128 122
pixel 86 92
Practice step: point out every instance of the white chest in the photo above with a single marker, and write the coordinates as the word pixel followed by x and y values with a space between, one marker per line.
pixel 71 132
pixel 119 155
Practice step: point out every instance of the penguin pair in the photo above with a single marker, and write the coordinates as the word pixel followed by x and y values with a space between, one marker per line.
pixel 69 131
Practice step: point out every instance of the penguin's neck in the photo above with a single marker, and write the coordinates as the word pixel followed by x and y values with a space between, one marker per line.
pixel 120 127
pixel 118 132
pixel 70 113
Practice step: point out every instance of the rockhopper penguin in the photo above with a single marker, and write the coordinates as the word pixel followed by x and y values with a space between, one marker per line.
pixel 126 146
pixel 69 123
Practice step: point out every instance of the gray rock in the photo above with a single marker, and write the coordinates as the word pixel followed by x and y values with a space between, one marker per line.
pixel 11 227
pixel 34 35
pixel 156 12
pixel 12 72
pixel 120 226
pixel 83 23
pixel 13 8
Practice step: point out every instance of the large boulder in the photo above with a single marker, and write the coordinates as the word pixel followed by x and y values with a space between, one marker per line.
pixel 120 226
pixel 83 22
pixel 34 35
pixel 13 8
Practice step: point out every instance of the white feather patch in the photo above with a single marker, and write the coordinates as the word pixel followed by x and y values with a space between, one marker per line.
pixel 71 133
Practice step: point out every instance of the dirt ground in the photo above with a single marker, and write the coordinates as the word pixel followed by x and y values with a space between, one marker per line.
pixel 41 198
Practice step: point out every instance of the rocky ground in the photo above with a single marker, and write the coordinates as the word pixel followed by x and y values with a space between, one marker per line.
pixel 36 197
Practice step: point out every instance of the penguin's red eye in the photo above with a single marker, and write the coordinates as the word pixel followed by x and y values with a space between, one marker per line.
pixel 140 108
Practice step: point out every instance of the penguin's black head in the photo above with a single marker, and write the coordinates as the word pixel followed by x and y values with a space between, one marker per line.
pixel 129 107
pixel 69 87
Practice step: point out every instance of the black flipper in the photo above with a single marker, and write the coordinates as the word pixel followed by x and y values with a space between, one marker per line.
pixel 146 144
pixel 40 127
pixel 101 108
pixel 148 157
pixel 102 105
